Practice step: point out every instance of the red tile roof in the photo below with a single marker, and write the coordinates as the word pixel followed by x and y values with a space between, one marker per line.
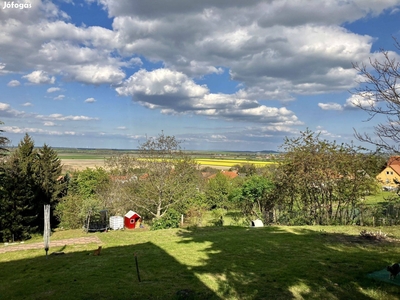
pixel 395 168
pixel 394 160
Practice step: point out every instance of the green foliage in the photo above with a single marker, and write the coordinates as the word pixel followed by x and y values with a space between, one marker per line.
pixel 217 191
pixel 89 181
pixel 194 209
pixel 70 212
pixel 218 216
pixel 170 177
pixel 18 211
pixel 83 197
pixel 246 169
pixel 321 181
pixel 255 197
pixel 171 219
pixel 51 185
pixel 31 180
pixel 19 197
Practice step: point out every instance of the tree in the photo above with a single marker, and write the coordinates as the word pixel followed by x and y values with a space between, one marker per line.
pixel 247 169
pixel 19 214
pixel 379 95
pixel 83 197
pixel 20 191
pixel 321 182
pixel 167 175
pixel 255 197
pixel 4 141
pixel 217 191
pixel 51 188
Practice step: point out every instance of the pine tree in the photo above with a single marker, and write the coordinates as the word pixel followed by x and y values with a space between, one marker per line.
pixel 27 155
pixel 19 214
pixel 48 178
pixel 3 153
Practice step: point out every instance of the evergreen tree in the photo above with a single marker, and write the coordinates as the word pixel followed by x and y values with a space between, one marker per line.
pixel 3 143
pixel 17 220
pixel 20 191
pixel 50 186
pixel 3 152
pixel 27 156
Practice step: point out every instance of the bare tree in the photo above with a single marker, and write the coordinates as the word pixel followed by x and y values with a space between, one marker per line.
pixel 379 95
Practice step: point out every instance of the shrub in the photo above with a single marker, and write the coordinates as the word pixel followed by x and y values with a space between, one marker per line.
pixel 218 217
pixel 170 219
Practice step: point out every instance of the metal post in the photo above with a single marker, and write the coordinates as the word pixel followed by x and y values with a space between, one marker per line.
pixel 137 268
pixel 46 233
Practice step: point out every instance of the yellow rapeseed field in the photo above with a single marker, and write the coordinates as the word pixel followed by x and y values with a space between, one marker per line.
pixel 231 162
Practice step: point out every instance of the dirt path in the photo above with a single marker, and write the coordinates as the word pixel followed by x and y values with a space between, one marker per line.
pixel 57 243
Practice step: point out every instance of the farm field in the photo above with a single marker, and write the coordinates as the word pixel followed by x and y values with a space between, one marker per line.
pixel 231 162
pixel 81 163
pixel 277 262
pixel 82 159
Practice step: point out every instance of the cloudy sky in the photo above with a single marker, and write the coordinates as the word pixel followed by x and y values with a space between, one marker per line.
pixel 218 74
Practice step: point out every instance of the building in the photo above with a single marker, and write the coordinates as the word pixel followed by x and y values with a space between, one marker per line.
pixel 391 174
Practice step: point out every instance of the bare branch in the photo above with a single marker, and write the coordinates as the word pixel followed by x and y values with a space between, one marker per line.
pixel 379 94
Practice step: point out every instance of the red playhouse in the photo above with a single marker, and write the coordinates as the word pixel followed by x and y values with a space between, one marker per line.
pixel 131 219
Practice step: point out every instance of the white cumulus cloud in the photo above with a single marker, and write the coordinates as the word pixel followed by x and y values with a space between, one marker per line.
pixel 330 106
pixel 53 89
pixel 14 83
pixel 40 77
pixel 173 92
pixel 59 97
pixel 90 100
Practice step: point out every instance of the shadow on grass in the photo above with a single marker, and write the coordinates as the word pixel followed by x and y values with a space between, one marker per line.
pixel 290 263
pixel 207 263
pixel 112 275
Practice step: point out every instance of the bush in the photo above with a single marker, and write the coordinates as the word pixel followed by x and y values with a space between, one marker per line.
pixel 218 217
pixel 170 219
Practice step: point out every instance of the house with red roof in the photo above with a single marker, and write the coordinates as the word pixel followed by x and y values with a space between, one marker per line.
pixel 391 174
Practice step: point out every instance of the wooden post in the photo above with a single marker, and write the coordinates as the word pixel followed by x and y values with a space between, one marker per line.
pixel 182 220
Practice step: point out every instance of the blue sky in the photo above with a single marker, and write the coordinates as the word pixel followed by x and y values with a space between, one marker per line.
pixel 219 75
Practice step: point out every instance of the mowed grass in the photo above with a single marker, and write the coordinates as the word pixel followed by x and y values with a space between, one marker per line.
pixel 207 263
pixel 380 197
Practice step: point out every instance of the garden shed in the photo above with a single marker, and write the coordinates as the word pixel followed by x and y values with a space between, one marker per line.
pixel 131 219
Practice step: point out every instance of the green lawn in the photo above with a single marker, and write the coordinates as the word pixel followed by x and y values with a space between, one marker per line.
pixel 382 196
pixel 207 263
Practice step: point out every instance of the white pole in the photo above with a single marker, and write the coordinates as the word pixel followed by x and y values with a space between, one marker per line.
pixel 46 233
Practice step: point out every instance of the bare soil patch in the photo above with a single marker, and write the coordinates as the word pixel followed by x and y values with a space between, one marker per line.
pixel 57 243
